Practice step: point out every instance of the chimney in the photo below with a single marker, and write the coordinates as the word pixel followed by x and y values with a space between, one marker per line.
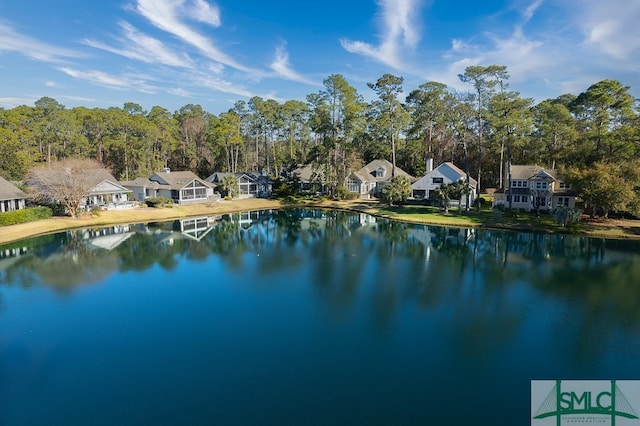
pixel 429 164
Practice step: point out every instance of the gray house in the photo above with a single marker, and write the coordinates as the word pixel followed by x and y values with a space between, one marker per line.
pixel 182 187
pixel 252 185
pixel 11 197
pixel 533 188
pixel 369 180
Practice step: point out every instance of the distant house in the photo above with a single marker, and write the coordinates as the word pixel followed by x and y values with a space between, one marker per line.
pixel 182 187
pixel 106 193
pixel 446 173
pixel 369 180
pixel 11 197
pixel 312 178
pixel 533 188
pixel 252 185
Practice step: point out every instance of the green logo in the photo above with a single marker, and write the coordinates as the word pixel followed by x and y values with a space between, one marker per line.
pixel 582 402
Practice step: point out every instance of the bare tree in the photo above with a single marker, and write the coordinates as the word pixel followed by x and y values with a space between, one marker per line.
pixel 67 182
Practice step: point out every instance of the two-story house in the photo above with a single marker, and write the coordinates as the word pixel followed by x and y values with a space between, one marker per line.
pixel 446 173
pixel 369 180
pixel 533 188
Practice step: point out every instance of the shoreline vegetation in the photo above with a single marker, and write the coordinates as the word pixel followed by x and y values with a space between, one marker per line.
pixel 486 219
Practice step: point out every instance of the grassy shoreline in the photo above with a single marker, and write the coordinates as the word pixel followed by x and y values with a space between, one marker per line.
pixel 620 229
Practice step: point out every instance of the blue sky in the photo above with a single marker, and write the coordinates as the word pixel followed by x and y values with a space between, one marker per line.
pixel 212 53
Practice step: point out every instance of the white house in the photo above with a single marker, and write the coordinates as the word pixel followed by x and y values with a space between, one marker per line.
pixel 445 173
pixel 11 197
pixel 533 188
pixel 106 193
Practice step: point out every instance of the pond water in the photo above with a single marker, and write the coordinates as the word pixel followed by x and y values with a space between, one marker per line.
pixel 306 317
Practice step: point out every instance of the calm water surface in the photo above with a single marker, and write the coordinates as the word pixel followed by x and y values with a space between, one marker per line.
pixel 301 317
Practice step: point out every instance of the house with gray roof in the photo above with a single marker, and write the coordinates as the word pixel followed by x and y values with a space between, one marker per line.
pixel 106 192
pixel 369 180
pixel 446 173
pixel 533 188
pixel 11 197
pixel 183 187
pixel 251 185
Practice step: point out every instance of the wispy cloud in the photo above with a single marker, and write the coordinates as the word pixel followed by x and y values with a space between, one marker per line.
pixel 12 41
pixel 10 102
pixel 282 67
pixel 101 78
pixel 400 31
pixel 139 46
pixel 611 27
pixel 168 15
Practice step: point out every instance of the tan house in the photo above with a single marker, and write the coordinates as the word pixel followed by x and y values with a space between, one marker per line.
pixel 533 188
pixel 11 197
pixel 369 180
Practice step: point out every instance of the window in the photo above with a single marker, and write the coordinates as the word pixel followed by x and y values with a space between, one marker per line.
pixel 516 198
pixel 541 185
pixel 525 184
pixel 352 185
pixel 563 185
pixel 380 172
pixel 514 183
pixel 437 180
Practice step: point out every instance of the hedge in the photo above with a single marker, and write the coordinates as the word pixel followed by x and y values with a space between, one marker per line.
pixel 25 215
pixel 158 202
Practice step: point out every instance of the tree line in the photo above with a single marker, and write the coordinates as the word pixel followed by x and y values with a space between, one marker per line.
pixel 592 137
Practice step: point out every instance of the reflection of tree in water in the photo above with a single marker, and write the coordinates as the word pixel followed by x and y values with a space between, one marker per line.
pixel 63 263
pixel 606 296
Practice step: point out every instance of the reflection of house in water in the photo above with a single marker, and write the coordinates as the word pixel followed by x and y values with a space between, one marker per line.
pixel 9 256
pixel 107 238
pixel 195 228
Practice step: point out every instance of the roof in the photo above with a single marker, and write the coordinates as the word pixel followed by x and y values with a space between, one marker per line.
pixel 9 191
pixel 368 172
pixel 145 183
pixel 177 180
pixel 97 178
pixel 530 171
pixel 460 172
pixel 309 172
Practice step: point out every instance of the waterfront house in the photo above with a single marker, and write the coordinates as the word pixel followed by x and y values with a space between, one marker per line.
pixel 11 197
pixel 251 185
pixel 368 181
pixel 446 173
pixel 533 188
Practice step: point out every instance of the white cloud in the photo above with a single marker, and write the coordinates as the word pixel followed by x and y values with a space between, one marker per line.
pixel 202 11
pixel 109 80
pixel 166 15
pixel 400 31
pixel 282 67
pixel 611 26
pixel 12 41
pixel 12 102
pixel 142 47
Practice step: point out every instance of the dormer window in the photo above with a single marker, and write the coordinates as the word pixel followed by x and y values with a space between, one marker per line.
pixel 380 172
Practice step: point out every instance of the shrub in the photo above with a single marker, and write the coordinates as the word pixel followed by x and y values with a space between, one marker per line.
pixel 158 202
pixel 25 215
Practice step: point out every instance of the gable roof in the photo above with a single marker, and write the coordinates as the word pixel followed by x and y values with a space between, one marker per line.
pixel 310 172
pixel 103 182
pixel 530 171
pixel 458 171
pixel 178 180
pixel 9 191
pixel 368 172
